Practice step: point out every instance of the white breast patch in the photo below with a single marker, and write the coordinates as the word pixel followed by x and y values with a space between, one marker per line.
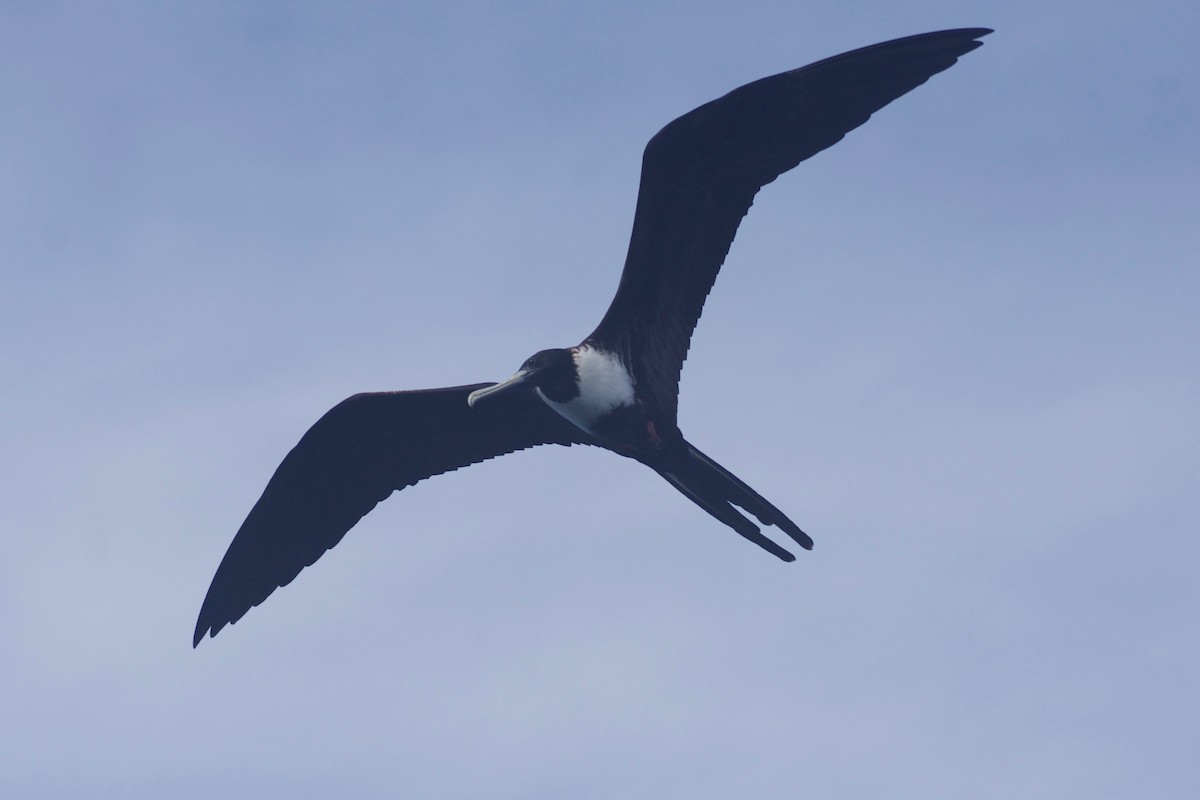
pixel 604 384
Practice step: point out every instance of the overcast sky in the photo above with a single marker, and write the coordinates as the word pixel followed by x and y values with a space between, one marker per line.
pixel 960 349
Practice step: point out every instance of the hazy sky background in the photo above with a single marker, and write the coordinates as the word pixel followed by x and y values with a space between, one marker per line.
pixel 960 349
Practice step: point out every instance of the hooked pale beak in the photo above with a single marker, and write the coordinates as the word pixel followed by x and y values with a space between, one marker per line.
pixel 520 379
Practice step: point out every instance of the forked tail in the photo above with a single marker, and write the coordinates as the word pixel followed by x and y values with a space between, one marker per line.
pixel 717 491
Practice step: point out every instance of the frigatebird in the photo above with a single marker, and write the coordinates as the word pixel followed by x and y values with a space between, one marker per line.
pixel 618 388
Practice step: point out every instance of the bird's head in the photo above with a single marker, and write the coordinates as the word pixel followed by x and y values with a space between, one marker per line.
pixel 553 371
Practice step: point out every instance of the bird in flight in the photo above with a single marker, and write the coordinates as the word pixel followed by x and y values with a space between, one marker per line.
pixel 617 389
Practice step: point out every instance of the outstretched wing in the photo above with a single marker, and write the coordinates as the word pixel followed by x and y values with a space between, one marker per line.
pixel 361 451
pixel 700 174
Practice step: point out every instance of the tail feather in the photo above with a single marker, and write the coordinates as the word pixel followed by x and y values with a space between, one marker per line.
pixel 717 490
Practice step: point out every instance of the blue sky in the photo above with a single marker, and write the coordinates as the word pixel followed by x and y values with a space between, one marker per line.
pixel 959 349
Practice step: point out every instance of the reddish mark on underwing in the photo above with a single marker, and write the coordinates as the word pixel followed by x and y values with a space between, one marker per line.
pixel 653 433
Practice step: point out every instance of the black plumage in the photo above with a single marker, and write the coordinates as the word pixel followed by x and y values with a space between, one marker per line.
pixel 699 177
pixel 358 453
pixel 700 174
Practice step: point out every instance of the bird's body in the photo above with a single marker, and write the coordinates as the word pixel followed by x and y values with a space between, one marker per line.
pixel 595 391
pixel 617 389
pixel 603 391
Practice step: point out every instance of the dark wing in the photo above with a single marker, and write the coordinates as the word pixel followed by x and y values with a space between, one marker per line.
pixel 361 451
pixel 700 174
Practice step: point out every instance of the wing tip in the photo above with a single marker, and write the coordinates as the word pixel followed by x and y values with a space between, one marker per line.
pixel 951 33
pixel 206 626
pixel 970 33
pixel 203 629
pixel 954 43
